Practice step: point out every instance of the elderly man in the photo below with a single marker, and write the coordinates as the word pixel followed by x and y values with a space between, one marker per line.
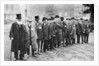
pixel 17 35
pixel 30 37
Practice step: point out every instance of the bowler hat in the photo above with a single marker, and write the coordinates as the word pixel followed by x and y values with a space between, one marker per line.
pixel 81 18
pixel 62 18
pixel 18 16
pixel 57 16
pixel 86 20
pixel 44 18
pixel 72 18
pixel 52 18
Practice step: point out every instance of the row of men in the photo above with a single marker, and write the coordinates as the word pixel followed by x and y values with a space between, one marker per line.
pixel 48 35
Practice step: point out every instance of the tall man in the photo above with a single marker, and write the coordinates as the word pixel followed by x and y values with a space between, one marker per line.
pixel 87 30
pixel 30 37
pixel 63 26
pixel 45 34
pixel 78 30
pixel 59 29
pixel 64 33
pixel 17 35
pixel 73 32
pixel 39 32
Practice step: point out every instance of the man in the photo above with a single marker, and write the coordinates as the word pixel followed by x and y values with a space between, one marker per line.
pixel 82 30
pixel 59 29
pixel 87 30
pixel 17 35
pixel 39 32
pixel 73 31
pixel 73 34
pixel 53 33
pixel 31 38
pixel 78 30
pixel 45 34
pixel 65 33
pixel 69 30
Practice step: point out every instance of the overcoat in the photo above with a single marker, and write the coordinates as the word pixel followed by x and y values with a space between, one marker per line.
pixel 73 32
pixel 39 30
pixel 45 29
pixel 52 29
pixel 30 36
pixel 18 34
pixel 64 29
pixel 59 31
pixel 78 29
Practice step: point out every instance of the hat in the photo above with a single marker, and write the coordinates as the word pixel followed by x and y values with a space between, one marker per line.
pixel 72 18
pixel 57 16
pixel 29 19
pixel 81 18
pixel 67 18
pixel 44 18
pixel 52 18
pixel 62 18
pixel 18 16
pixel 86 20
pixel 36 17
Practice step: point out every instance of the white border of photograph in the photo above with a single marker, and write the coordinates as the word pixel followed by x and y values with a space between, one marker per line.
pixel 96 46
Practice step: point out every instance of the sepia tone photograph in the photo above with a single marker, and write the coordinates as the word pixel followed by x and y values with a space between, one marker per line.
pixel 48 32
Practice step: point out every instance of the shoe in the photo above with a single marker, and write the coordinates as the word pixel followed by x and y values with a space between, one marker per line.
pixel 15 59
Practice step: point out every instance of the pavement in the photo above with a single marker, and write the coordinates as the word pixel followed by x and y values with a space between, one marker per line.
pixel 75 52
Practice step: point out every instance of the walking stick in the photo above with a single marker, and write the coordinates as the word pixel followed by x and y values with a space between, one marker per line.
pixel 10 55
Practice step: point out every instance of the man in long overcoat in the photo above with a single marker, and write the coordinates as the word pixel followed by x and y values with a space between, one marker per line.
pixel 87 30
pixel 64 33
pixel 17 35
pixel 78 30
pixel 59 29
pixel 53 33
pixel 30 37
pixel 69 30
pixel 45 29
pixel 73 32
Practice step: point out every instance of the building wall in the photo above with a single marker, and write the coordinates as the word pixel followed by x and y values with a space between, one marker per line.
pixel 10 11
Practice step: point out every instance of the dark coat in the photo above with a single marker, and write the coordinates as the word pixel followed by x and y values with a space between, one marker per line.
pixel 30 37
pixel 87 29
pixel 45 29
pixel 18 35
pixel 78 29
pixel 59 31
pixel 64 29
pixel 73 33
pixel 52 29
pixel 39 31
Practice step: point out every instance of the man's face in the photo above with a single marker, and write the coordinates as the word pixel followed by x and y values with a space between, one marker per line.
pixel 29 22
pixel 37 19
pixel 45 21
pixel 19 19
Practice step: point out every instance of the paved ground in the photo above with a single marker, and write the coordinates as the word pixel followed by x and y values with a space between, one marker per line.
pixel 76 52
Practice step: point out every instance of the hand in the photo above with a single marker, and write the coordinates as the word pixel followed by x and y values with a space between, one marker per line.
pixel 11 38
